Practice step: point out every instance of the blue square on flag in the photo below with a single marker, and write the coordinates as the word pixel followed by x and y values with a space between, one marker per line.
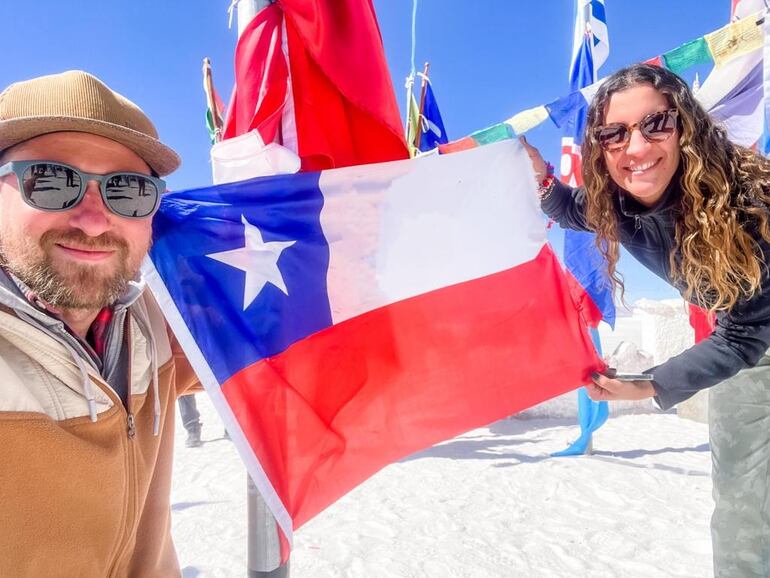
pixel 257 247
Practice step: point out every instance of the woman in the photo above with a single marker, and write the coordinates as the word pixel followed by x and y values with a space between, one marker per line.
pixel 664 181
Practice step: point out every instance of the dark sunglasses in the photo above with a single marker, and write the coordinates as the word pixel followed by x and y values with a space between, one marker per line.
pixel 52 186
pixel 655 127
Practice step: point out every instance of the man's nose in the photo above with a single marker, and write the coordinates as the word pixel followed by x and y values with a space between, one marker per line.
pixel 91 215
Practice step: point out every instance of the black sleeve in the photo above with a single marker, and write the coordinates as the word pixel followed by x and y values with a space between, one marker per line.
pixel 741 337
pixel 566 206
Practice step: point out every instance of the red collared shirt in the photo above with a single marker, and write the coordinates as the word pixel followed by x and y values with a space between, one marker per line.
pixel 97 333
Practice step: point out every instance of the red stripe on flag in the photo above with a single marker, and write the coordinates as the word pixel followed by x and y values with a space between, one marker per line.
pixel 338 406
pixel 591 313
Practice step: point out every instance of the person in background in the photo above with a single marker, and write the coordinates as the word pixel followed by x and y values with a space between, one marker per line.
pixel 191 421
pixel 663 180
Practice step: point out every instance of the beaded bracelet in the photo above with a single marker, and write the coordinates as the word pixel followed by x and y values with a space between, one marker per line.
pixel 545 188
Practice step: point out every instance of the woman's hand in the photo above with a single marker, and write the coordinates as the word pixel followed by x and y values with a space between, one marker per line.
pixel 605 389
pixel 538 163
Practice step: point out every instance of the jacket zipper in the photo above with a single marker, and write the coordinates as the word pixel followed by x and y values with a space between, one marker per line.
pixel 663 242
pixel 130 421
pixel 131 482
pixel 130 418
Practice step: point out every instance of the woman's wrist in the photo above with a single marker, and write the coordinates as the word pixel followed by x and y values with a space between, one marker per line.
pixel 546 185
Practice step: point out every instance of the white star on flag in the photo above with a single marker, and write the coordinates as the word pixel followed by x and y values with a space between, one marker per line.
pixel 258 259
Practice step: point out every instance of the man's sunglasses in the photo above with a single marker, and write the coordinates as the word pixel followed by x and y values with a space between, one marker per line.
pixel 52 186
pixel 655 127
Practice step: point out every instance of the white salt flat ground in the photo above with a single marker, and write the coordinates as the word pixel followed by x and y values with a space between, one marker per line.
pixel 490 503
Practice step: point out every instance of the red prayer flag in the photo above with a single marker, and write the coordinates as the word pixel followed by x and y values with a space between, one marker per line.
pixel 657 61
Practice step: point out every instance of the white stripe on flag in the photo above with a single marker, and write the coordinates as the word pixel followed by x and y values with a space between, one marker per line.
pixel 723 79
pixel 590 91
pixel 429 223
pixel 601 49
pixel 743 126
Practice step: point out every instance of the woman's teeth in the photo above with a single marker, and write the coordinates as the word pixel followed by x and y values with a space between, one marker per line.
pixel 643 167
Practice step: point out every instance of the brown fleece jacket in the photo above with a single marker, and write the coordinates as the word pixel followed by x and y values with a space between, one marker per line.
pixel 83 498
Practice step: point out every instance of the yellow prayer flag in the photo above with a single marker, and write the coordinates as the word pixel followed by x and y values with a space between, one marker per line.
pixel 527 119
pixel 736 39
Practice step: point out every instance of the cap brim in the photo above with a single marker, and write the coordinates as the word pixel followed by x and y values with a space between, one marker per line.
pixel 161 159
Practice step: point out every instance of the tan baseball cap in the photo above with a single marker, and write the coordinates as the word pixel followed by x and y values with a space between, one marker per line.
pixel 77 101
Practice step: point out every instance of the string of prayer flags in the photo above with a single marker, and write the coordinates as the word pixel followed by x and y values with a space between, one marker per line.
pixel 721 46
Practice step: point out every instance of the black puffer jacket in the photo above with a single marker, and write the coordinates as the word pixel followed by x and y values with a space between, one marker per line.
pixel 741 337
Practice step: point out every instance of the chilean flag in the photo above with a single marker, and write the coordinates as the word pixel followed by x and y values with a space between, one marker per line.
pixel 345 319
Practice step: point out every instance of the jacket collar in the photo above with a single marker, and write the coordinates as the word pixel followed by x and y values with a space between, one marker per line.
pixel 629 207
pixel 13 294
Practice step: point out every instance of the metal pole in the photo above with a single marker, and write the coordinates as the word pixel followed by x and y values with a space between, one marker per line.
pixel 418 133
pixel 264 559
pixel 264 547
pixel 208 87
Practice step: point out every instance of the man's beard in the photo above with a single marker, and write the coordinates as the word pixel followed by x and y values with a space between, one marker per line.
pixel 76 285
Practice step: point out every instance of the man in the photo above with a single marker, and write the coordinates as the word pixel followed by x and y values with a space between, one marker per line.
pixel 88 371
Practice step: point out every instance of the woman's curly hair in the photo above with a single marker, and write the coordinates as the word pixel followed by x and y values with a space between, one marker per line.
pixel 724 203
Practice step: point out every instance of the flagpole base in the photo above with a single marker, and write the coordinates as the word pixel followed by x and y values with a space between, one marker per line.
pixel 281 572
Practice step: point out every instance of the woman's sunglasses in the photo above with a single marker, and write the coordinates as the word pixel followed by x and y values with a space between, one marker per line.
pixel 655 127
pixel 52 186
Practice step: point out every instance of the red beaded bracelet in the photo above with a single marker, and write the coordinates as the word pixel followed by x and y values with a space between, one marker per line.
pixel 546 187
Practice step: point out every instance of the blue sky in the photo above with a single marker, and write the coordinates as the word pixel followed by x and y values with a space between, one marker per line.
pixel 489 60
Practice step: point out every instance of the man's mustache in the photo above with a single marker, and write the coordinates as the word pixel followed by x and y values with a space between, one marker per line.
pixel 105 241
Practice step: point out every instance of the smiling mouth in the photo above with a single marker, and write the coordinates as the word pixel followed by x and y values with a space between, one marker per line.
pixel 642 168
pixel 87 254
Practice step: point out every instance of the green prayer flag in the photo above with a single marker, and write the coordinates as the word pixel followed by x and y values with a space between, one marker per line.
pixel 492 134
pixel 687 55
